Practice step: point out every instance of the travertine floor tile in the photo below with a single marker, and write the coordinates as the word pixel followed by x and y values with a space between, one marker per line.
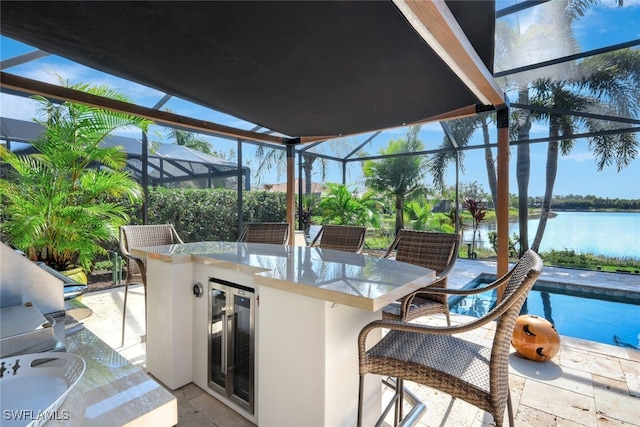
pixel 595 347
pixel 561 403
pixel 554 375
pixel 189 416
pixel 444 410
pixel 585 361
pixel 220 414
pixel 530 417
pixel 631 371
pixel 187 393
pixel 516 384
pixel 612 401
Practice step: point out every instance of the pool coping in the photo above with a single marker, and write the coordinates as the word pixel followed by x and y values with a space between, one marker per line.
pixel 613 285
pixel 592 291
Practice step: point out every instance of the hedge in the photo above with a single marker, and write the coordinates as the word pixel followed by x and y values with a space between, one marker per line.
pixel 212 214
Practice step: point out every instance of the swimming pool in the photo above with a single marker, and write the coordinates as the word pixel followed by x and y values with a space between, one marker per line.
pixel 589 313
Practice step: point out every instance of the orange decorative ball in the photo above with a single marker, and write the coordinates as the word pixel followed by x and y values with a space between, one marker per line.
pixel 535 338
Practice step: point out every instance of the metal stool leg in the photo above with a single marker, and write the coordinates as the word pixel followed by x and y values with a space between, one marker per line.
pixel 360 400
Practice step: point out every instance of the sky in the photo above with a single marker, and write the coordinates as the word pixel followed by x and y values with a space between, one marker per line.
pixel 577 172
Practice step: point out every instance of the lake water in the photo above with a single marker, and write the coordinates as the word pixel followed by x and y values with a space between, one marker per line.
pixel 615 234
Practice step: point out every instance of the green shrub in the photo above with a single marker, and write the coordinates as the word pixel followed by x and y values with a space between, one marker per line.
pixel 264 206
pixel 379 238
pixel 211 214
pixel 588 261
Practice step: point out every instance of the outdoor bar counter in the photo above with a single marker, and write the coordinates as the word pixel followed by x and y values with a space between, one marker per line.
pixel 310 305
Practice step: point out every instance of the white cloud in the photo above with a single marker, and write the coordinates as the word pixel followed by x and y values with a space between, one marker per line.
pixel 16 107
pixel 580 157
pixel 48 70
pixel 538 127
pixel 614 3
pixel 431 126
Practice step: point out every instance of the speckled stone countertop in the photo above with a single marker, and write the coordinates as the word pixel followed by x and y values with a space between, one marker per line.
pixel 112 391
pixel 361 281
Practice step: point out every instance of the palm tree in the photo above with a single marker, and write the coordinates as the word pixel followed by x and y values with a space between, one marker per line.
pixel 510 43
pixel 607 84
pixel 339 206
pixel 190 140
pixel 463 130
pixel 59 203
pixel 273 157
pixel 398 175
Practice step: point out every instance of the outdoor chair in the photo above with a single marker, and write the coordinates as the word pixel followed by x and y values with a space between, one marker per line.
pixel 341 238
pixel 265 232
pixel 135 236
pixel 447 359
pixel 436 251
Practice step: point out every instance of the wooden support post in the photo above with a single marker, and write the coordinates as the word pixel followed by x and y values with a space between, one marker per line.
pixel 291 192
pixel 502 207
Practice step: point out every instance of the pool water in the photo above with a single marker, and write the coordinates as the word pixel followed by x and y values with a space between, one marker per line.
pixel 579 313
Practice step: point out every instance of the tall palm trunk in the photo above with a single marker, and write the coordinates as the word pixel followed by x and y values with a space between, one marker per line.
pixel 399 213
pixel 488 159
pixel 307 168
pixel 551 173
pixel 523 171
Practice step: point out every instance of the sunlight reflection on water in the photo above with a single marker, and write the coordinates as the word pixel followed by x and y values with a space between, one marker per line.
pixel 613 234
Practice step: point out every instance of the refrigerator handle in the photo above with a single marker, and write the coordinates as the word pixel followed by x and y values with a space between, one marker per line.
pixel 225 340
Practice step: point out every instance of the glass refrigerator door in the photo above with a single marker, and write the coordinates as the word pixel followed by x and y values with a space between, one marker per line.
pixel 231 342
pixel 218 337
pixel 242 349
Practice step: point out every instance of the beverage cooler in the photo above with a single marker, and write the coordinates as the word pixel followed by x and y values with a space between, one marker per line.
pixel 231 341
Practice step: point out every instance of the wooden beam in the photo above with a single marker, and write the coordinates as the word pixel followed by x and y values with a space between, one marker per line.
pixel 459 113
pixel 502 204
pixel 29 86
pixel 435 23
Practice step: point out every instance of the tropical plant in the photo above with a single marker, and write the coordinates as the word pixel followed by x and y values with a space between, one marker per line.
pixel 478 211
pixel 340 206
pixel 513 242
pixel 399 174
pixel 309 207
pixel 419 213
pixel 59 204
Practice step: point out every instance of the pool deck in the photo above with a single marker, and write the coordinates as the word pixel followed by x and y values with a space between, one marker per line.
pixel 586 384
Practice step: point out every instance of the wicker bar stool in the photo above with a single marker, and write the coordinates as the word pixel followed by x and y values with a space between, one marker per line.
pixel 340 237
pixel 447 359
pixel 436 251
pixel 136 236
pixel 265 232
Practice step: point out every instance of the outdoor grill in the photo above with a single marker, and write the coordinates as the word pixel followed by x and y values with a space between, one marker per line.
pixel 32 305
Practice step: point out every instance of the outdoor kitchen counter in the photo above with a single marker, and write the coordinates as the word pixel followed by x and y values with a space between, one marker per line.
pixel 112 391
pixel 360 281
pixel 309 304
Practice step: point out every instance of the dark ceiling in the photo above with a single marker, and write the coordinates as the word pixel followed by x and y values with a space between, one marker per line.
pixel 301 68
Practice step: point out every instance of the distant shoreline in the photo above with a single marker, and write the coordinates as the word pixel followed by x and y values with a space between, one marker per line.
pixel 513 217
pixel 599 210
